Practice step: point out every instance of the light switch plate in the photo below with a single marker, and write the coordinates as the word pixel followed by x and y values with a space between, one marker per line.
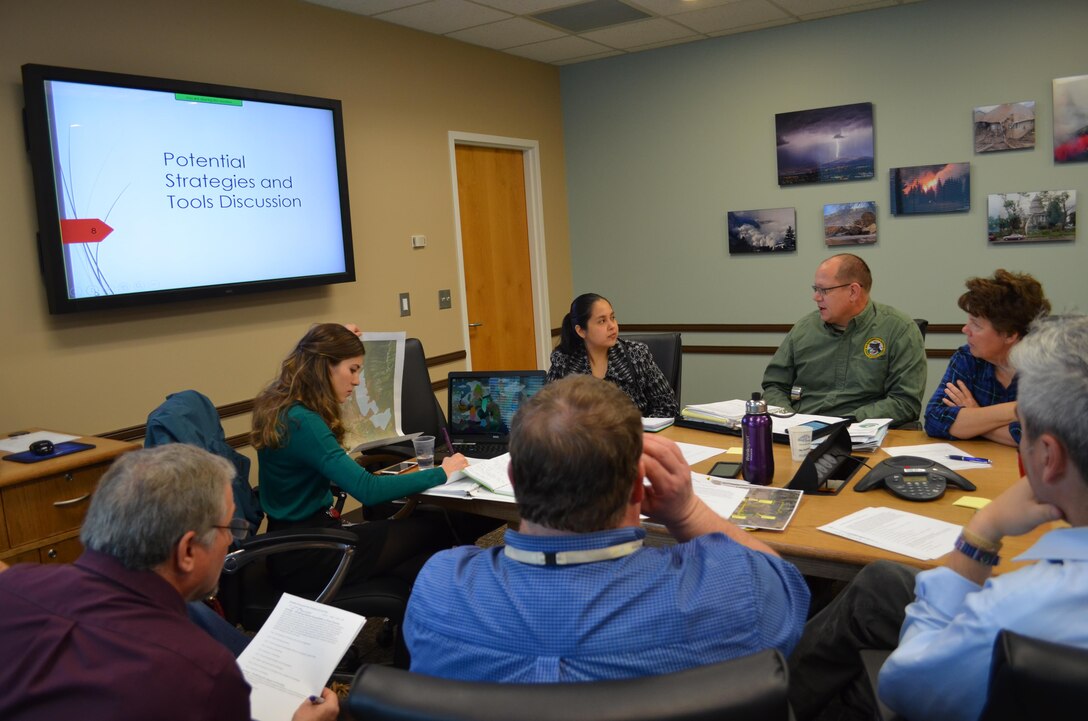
pixel 405 305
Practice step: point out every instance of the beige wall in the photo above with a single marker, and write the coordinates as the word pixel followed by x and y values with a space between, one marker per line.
pixel 402 92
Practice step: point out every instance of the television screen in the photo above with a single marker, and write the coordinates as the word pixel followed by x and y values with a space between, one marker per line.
pixel 151 190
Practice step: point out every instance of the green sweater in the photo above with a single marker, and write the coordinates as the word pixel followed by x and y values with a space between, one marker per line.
pixel 875 368
pixel 294 478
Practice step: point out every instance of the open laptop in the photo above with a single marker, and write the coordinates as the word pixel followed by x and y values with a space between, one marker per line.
pixel 481 406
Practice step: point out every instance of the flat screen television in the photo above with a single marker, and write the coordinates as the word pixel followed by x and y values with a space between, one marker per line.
pixel 151 190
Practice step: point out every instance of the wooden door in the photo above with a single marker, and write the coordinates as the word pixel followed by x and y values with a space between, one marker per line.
pixel 495 247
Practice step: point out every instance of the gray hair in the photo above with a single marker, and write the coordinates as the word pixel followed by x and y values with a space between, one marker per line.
pixel 150 498
pixel 1052 383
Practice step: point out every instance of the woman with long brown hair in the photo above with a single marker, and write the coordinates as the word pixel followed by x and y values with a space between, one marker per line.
pixel 297 431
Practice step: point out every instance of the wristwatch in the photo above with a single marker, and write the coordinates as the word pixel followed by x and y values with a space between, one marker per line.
pixel 986 558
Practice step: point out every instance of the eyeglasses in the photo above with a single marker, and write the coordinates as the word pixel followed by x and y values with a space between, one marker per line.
pixel 238 527
pixel 822 292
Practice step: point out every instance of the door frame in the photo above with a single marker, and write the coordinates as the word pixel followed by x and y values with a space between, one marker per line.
pixel 534 214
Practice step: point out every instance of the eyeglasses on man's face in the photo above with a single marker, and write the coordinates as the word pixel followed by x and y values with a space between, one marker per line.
pixel 238 527
pixel 822 292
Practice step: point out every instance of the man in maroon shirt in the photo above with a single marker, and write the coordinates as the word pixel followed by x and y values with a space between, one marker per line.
pixel 108 637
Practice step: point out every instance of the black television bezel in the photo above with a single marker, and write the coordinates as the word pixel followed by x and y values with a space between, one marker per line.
pixel 50 248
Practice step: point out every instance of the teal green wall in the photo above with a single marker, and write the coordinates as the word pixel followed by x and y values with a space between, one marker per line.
pixel 661 144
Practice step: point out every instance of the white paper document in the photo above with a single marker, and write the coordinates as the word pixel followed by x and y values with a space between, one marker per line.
pixel 912 535
pixel 18 444
pixel 694 453
pixel 723 496
pixel 939 452
pixel 294 653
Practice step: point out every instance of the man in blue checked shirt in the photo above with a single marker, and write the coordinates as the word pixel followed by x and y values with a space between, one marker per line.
pixel 574 595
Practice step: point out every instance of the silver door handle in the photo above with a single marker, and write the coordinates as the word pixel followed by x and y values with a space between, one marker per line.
pixel 475 325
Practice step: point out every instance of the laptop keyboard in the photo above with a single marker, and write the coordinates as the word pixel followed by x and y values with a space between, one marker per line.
pixel 481 450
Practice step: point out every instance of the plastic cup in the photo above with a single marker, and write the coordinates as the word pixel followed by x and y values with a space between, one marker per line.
pixel 424 448
pixel 800 441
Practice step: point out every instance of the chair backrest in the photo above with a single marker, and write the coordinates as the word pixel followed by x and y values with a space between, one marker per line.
pixel 1030 678
pixel 667 353
pixel 922 325
pixel 751 688
pixel 420 410
pixel 190 417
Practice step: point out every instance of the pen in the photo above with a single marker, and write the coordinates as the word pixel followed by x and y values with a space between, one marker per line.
pixel 970 459
pixel 449 445
pixel 317 699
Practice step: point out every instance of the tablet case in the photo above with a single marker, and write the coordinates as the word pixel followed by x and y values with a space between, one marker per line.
pixel 829 461
pixel 59 449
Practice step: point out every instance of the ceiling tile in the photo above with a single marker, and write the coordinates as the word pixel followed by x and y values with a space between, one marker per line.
pixel 563 48
pixel 671 7
pixel 527 7
pixel 645 32
pixel 443 16
pixel 507 33
pixel 367 7
pixel 727 17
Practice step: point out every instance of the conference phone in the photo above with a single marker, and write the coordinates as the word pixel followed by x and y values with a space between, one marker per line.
pixel 913 478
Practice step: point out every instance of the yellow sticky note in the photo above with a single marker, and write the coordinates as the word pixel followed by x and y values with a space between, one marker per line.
pixel 734 449
pixel 971 502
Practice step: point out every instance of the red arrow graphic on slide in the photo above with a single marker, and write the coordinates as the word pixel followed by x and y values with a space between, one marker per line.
pixel 84 230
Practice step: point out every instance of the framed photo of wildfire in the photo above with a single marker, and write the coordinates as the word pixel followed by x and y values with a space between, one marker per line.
pixel 931 189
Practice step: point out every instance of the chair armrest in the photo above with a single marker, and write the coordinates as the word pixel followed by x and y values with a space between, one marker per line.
pixel 303 539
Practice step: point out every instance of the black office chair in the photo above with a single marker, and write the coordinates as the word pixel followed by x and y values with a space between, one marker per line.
pixel 922 326
pixel 752 688
pixel 1029 678
pixel 667 353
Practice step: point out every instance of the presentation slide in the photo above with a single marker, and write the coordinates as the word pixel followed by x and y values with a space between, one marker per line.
pixel 160 191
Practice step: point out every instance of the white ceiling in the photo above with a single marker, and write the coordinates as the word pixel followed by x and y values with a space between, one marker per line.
pixel 508 25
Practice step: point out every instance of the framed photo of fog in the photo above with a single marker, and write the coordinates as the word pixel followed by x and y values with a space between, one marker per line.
pixel 825 145
pixel 924 189
pixel 1029 217
pixel 763 231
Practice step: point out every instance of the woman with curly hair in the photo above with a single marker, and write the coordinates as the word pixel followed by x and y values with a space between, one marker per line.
pixel 297 431
pixel 977 396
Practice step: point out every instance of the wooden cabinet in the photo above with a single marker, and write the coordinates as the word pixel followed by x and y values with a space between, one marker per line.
pixel 42 504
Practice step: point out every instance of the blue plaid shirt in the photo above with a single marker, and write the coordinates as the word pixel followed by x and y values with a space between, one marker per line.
pixel 980 378
pixel 476 614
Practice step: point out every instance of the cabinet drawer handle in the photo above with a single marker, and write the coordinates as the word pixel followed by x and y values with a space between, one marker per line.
pixel 52 553
pixel 71 501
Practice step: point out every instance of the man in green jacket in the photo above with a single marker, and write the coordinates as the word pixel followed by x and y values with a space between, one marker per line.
pixel 852 357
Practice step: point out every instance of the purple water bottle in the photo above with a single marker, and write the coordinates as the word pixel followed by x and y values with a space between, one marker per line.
pixel 757 464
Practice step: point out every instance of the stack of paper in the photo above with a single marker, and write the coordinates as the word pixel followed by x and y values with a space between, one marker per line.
pixel 867 435
pixel 910 534
pixel 656 424
pixel 723 413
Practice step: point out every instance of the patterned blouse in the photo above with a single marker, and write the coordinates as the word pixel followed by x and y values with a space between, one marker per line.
pixel 632 369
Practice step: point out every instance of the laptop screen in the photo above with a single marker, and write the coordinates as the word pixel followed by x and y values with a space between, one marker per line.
pixel 482 404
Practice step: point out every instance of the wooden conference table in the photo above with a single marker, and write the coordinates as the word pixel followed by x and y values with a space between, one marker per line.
pixel 816 552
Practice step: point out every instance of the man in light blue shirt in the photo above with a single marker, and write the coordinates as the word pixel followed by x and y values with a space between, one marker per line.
pixel 574 595
pixel 941 666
